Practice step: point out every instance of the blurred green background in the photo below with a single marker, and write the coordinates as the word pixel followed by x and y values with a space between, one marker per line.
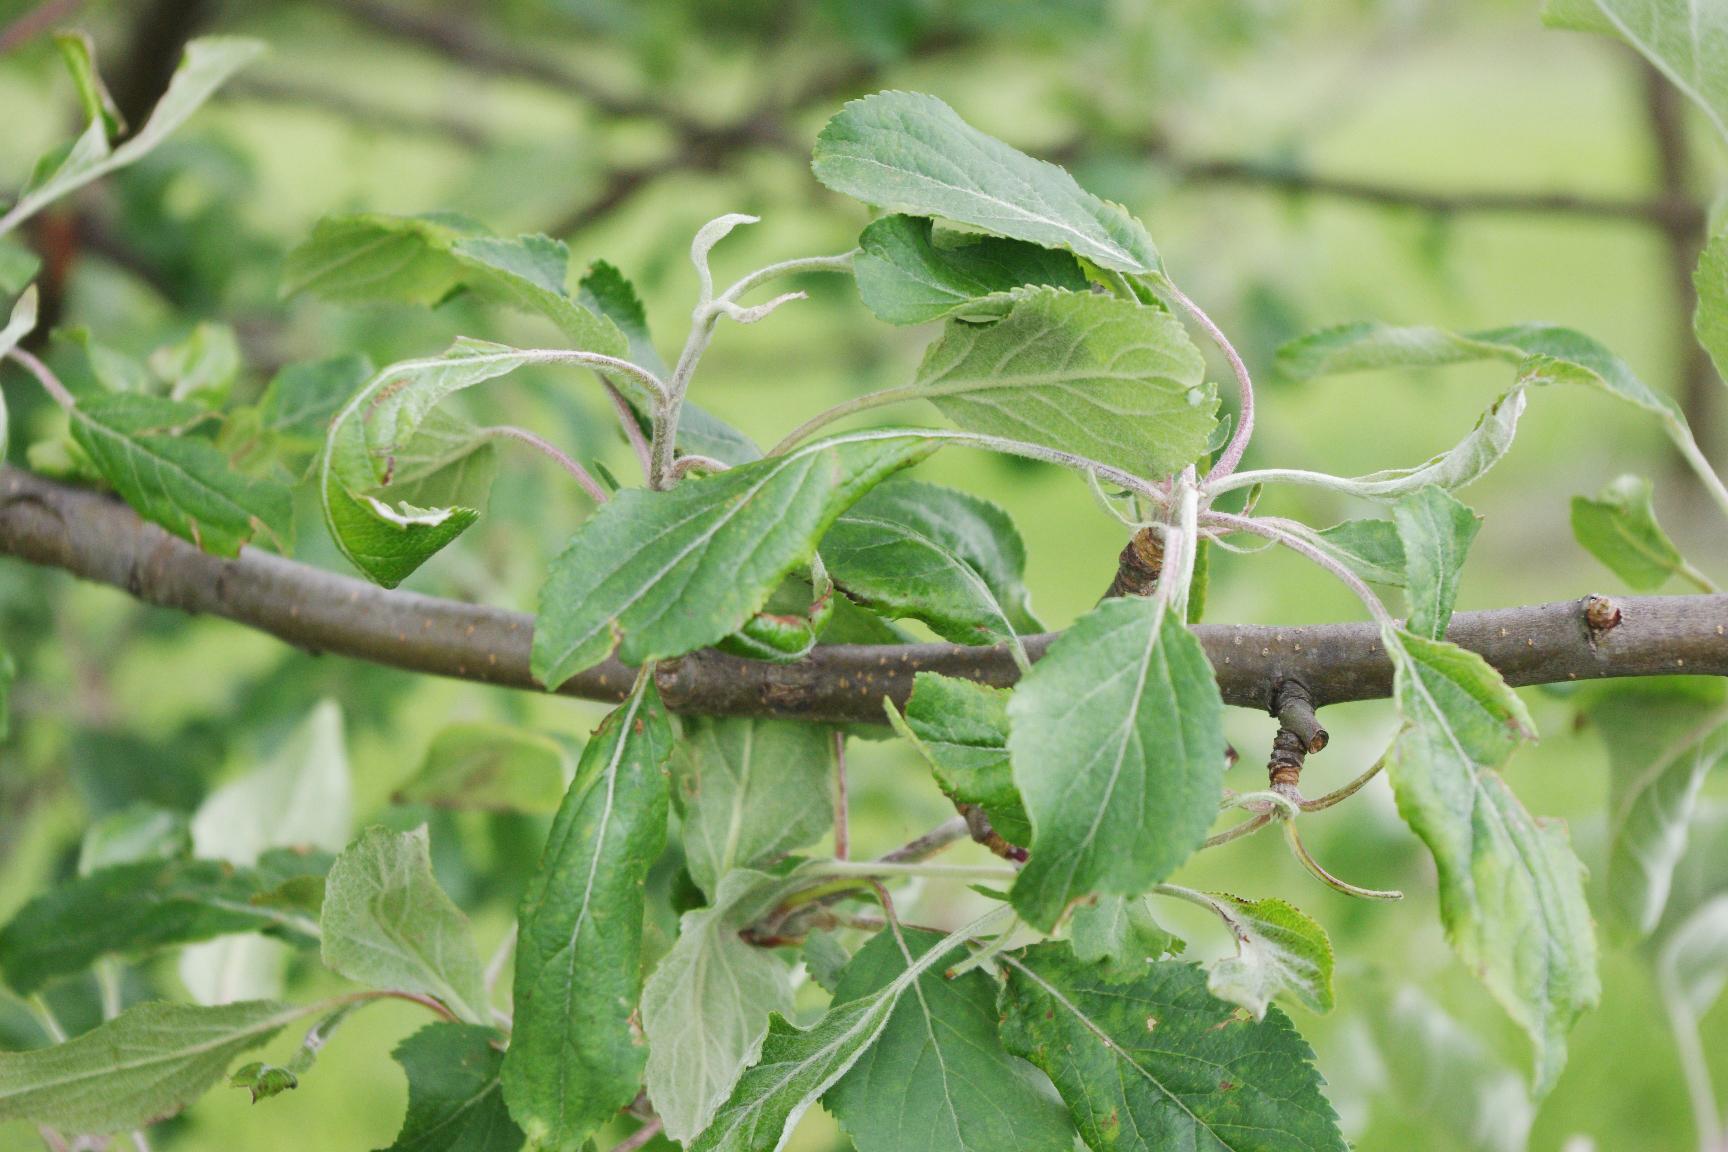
pixel 621 126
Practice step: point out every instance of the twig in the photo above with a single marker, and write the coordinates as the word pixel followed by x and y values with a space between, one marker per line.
pixel 632 429
pixel 581 475
pixel 639 1137
pixel 50 382
pixel 842 844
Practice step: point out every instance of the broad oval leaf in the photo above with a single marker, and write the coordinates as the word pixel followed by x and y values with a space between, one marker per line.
pixel 454 1101
pixel 1663 737
pixel 960 727
pixel 1118 752
pixel 575 1057
pixel 1511 889
pixel 750 789
pixel 1618 526
pixel 1095 376
pixel 938 1079
pixel 920 551
pixel 388 924
pixel 1120 936
pixel 1370 548
pixel 907 273
pixel 659 574
pixel 491 767
pixel 144 1065
pixel 1434 532
pixel 1160 1062
pixel 907 152
pixel 705 1010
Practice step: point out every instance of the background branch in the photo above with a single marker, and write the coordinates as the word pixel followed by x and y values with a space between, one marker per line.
pixel 98 538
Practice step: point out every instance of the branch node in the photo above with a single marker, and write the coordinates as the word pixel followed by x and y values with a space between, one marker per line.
pixel 1601 615
pixel 983 832
pixel 1293 704
pixel 1139 565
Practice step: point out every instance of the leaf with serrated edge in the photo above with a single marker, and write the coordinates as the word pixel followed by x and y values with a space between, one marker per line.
pixel 454 1102
pixel 575 1056
pixel 1618 526
pixel 908 274
pixel 921 551
pixel 1369 548
pixel 705 1009
pixel 907 152
pixel 659 574
pixel 1435 531
pixel 1118 751
pixel 799 1064
pixel 144 1065
pixel 1096 376
pixel 1686 39
pixel 1120 935
pixel 750 789
pixel 388 924
pixel 1663 737
pixel 1160 1062
pixel 960 727
pixel 1280 951
pixel 1511 890
pixel 938 1079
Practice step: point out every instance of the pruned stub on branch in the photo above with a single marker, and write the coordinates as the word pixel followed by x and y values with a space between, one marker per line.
pixel 1138 566
pixel 1299 733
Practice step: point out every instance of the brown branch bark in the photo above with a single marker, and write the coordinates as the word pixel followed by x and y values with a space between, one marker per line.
pixel 98 538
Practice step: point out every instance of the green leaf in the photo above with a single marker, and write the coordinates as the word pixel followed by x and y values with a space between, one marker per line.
pixel 1619 528
pixel 79 53
pixel 132 910
pixel 454 1102
pixel 1434 531
pixel 144 1065
pixel 1370 548
pixel 178 481
pixel 1096 376
pixel 303 398
pixel 938 1078
pixel 1686 39
pixel 605 291
pixel 424 259
pixel 1692 968
pixel 749 790
pixel 1160 1063
pixel 1710 319
pixel 1118 750
pixel 20 325
pixel 705 1009
pixel 715 547
pixel 1280 951
pixel 909 274
pixel 799 1065
pixel 1511 890
pixel 907 152
pixel 923 552
pixel 202 368
pixel 133 835
pixel 1121 936
pixel 491 768
pixel 960 727
pixel 18 266
pixel 1663 737
pixel 208 63
pixel 388 925
pixel 575 1057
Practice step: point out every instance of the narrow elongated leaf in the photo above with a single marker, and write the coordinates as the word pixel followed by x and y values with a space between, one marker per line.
pixel 144 1065
pixel 575 1057
pixel 492 767
pixel 799 1065
pixel 1435 531
pixel 1710 319
pixel 1118 751
pixel 705 1010
pixel 1370 548
pixel 1161 1063
pixel 1619 528
pixel 424 259
pixel 1280 951
pixel 1097 376
pixel 605 291
pixel 178 481
pixel 1663 737
pixel 208 63
pixel 454 1101
pixel 938 1079
pixel 136 909
pixel 1511 890
pixel 907 152
pixel 750 789
pixel 960 727
pixel 1686 39
pixel 920 551
pixel 659 574
pixel 389 925
pixel 909 274
pixel 1120 936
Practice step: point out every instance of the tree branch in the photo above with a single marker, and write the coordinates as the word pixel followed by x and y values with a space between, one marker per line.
pixel 97 538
